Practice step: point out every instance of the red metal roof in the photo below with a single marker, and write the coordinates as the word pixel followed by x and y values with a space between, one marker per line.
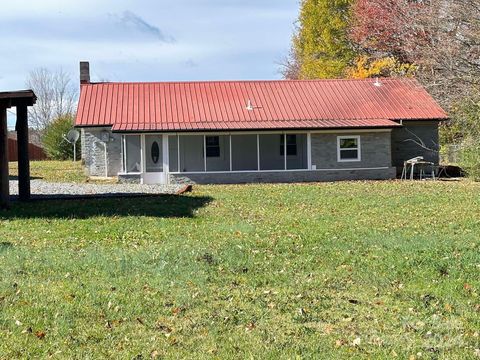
pixel 282 104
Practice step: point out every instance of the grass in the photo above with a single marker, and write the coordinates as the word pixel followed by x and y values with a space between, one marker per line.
pixel 336 270
pixel 53 171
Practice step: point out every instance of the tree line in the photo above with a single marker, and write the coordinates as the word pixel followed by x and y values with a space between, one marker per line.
pixel 436 41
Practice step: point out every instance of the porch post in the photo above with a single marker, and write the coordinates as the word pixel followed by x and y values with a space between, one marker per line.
pixel 230 150
pixel 205 153
pixel 124 157
pixel 166 158
pixel 22 149
pixel 258 152
pixel 309 150
pixel 143 159
pixel 178 153
pixel 4 180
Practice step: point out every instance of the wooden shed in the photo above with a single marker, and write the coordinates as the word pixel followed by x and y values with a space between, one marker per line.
pixel 21 100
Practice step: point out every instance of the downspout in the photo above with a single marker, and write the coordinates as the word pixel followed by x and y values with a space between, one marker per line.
pixel 106 160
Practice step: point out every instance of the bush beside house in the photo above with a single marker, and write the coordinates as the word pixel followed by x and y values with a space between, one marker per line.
pixel 55 144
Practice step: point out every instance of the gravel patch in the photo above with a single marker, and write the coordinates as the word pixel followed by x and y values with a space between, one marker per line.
pixel 41 189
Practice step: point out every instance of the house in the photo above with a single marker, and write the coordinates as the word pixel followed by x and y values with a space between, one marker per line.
pixel 255 131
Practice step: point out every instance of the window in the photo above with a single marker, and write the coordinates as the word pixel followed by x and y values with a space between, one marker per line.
pixel 291 145
pixel 348 148
pixel 132 154
pixel 212 146
pixel 155 152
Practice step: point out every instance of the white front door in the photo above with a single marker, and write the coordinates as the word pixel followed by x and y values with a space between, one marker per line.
pixel 154 172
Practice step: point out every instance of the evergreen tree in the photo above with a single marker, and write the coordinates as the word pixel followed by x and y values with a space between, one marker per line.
pixel 54 143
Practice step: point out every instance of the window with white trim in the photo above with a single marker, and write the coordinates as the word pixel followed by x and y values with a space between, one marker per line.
pixel 348 148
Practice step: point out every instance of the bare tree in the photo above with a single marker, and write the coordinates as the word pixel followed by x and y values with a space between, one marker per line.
pixel 441 37
pixel 56 96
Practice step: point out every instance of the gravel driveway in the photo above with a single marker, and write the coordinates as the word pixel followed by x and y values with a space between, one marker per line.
pixel 43 189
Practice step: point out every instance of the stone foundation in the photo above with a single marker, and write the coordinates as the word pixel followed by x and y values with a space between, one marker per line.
pixel 283 177
pixel 129 179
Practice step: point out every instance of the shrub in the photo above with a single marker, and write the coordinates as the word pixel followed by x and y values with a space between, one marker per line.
pixel 54 142
pixel 470 158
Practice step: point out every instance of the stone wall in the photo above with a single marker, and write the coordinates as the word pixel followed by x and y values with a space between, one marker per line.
pixel 375 150
pixel 375 164
pixel 283 176
pixel 375 155
pixel 93 152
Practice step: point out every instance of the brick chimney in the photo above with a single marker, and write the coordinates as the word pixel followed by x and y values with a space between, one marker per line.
pixel 84 72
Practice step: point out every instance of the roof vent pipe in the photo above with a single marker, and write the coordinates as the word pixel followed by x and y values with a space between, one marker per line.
pixel 377 82
pixel 84 72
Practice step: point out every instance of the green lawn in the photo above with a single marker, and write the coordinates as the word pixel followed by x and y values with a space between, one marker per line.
pixel 334 270
pixel 53 171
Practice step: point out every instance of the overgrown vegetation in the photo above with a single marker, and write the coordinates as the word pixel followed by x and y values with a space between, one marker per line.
pixel 470 158
pixel 464 130
pixel 436 41
pixel 339 270
pixel 54 142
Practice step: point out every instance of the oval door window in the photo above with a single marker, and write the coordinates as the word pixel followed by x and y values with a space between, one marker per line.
pixel 155 152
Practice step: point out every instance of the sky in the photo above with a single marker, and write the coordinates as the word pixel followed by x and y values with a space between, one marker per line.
pixel 145 40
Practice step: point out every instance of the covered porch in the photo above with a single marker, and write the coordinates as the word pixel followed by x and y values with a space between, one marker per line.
pixel 153 157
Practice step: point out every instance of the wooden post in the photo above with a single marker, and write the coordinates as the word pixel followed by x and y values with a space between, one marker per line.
pixel 23 156
pixel 4 180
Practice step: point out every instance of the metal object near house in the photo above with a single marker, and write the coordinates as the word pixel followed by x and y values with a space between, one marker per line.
pixel 72 137
pixel 105 136
pixel 419 162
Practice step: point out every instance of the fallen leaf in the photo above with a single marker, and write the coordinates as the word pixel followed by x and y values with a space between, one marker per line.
pixel 163 328
pixel 357 342
pixel 327 329
pixel 40 334
pixel 177 310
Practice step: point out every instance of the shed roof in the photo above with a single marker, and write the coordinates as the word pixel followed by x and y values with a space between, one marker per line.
pixel 282 104
pixel 12 98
